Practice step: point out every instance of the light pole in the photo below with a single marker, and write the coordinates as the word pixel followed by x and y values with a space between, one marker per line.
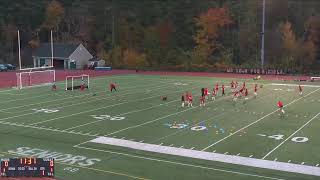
pixel 263 32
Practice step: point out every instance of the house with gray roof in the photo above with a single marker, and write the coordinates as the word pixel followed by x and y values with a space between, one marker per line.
pixel 65 56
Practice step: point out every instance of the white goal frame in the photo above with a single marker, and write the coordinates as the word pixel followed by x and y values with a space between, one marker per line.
pixel 76 77
pixel 20 75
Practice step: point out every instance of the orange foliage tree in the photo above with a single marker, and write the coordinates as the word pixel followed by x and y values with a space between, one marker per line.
pixel 134 59
pixel 290 44
pixel 209 24
pixel 54 15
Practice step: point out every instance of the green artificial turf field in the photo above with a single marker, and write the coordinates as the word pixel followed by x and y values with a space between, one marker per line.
pixel 39 122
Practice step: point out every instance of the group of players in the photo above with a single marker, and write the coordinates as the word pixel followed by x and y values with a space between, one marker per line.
pixel 238 91
pixel 187 98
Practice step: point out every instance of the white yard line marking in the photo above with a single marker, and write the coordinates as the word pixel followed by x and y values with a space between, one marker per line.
pixel 178 163
pixel 82 95
pixel 138 110
pixel 148 122
pixel 291 136
pixel 294 85
pixel 47 129
pixel 31 96
pixel 245 127
pixel 91 110
pixel 179 131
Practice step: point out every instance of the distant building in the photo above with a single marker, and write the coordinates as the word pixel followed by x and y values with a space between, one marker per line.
pixel 65 56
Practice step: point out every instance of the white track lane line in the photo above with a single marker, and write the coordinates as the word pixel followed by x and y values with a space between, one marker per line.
pixel 256 121
pixel 291 136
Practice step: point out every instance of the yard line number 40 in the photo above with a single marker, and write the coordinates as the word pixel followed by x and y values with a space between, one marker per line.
pixel 281 136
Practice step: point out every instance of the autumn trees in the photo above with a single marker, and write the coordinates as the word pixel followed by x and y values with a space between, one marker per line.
pixel 157 34
pixel 209 26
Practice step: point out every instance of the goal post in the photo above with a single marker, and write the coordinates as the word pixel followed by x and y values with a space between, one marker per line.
pixel 75 82
pixel 35 78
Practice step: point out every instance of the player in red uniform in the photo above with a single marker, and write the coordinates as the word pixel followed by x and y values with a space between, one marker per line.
pixel 300 90
pixel 222 89
pixel 54 86
pixel 244 84
pixel 214 94
pixel 183 100
pixel 217 88
pixel 112 87
pixel 246 92
pixel 190 100
pixel 235 96
pixel 82 86
pixel 206 93
pixel 280 105
pixel 202 99
pixel 241 90
pixel 232 84
pixel 255 89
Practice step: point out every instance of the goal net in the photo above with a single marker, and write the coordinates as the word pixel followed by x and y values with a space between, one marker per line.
pixel 75 82
pixel 33 78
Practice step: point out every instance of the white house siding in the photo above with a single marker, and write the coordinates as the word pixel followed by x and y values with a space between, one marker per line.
pixel 81 56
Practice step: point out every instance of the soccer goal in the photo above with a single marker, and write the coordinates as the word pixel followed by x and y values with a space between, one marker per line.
pixel 34 78
pixel 75 82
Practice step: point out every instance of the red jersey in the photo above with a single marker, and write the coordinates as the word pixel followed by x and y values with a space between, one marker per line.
pixel 217 87
pixel 202 99
pixel 246 92
pixel 214 92
pixel 280 104
pixel 255 88
pixel 241 90
pixel 190 97
pixel 244 84
pixel 206 91
pixel 112 86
